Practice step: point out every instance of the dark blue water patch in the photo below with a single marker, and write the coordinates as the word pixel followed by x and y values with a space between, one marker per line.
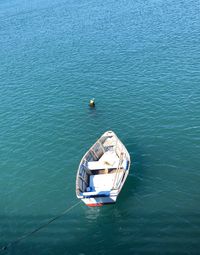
pixel 168 229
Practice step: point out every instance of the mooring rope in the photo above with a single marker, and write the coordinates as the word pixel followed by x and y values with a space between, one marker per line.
pixel 39 228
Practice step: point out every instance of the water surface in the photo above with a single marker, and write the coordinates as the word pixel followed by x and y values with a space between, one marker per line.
pixel 141 62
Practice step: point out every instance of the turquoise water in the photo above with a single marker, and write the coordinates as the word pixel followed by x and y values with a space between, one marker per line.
pixel 141 62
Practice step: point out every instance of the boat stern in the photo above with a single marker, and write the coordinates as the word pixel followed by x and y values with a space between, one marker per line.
pixel 99 201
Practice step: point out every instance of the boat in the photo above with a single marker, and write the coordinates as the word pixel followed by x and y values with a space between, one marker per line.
pixel 102 171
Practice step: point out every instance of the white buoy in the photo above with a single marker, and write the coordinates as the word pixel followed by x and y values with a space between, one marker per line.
pixel 92 103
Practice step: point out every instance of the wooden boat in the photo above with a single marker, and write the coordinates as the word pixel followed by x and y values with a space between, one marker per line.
pixel 103 171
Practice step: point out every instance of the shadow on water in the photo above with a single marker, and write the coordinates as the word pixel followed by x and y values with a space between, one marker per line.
pixel 163 233
pixel 138 162
pixel 136 173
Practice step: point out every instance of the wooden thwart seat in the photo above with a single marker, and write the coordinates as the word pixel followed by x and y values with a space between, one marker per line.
pixel 109 160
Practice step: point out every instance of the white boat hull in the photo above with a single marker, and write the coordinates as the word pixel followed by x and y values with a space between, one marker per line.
pixel 103 171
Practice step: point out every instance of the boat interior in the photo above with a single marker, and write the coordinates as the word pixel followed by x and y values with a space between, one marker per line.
pixel 103 166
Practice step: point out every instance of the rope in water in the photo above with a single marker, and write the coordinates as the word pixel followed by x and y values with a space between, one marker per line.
pixel 39 228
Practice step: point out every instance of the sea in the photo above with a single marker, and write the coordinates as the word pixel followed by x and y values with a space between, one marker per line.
pixel 140 60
